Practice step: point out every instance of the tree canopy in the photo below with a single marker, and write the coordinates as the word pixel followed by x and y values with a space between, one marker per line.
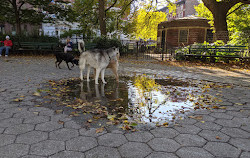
pixel 17 12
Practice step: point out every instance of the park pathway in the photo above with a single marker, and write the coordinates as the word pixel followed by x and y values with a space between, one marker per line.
pixel 28 131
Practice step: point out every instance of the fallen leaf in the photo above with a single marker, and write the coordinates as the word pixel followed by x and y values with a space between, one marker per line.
pixel 37 94
pixel 60 122
pixel 99 130
pixel 217 137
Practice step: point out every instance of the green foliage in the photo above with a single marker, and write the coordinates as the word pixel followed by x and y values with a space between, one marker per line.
pixel 237 22
pixel 105 43
pixel 32 38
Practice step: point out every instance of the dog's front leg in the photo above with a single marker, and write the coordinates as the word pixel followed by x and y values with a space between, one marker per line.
pixel 59 64
pixel 97 75
pixel 72 65
pixel 68 65
pixel 102 76
pixel 81 75
pixel 88 72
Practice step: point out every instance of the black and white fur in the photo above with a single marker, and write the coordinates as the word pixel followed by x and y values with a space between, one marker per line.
pixel 68 58
pixel 99 60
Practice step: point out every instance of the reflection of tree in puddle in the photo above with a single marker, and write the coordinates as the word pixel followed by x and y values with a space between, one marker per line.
pixel 151 102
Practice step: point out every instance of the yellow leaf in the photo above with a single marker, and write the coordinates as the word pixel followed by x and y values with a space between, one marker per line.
pixel 37 94
pixel 99 130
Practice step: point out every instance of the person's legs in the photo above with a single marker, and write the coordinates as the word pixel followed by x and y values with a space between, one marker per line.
pixel 1 49
pixel 7 51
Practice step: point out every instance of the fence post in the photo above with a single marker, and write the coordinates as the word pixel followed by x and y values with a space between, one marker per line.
pixel 137 50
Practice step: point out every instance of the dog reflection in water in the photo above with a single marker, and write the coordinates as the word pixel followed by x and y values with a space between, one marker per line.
pixel 99 95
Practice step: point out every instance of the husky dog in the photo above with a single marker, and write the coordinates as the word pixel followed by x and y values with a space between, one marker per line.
pixel 68 58
pixel 99 60
pixel 113 64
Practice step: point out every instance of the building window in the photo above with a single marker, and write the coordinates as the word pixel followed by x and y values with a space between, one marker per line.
pixel 183 36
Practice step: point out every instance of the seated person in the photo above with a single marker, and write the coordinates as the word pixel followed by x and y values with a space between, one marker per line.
pixel 69 46
pixel 7 45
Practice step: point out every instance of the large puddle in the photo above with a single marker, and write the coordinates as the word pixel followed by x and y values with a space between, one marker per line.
pixel 138 99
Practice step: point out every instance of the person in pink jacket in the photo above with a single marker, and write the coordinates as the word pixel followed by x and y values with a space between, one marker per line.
pixel 7 45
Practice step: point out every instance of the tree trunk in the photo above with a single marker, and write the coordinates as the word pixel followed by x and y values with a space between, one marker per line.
pixel 17 16
pixel 102 17
pixel 220 23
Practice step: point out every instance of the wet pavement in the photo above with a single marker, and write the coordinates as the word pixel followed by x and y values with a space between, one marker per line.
pixel 29 129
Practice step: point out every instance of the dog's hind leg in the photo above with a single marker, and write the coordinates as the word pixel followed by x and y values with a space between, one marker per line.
pixel 88 72
pixel 81 75
pixel 114 70
pixel 102 76
pixel 59 64
pixel 97 75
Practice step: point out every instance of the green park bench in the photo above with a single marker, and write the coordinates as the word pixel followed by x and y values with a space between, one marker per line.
pixel 217 52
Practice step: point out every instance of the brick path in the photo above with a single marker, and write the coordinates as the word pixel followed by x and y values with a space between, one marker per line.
pixel 34 132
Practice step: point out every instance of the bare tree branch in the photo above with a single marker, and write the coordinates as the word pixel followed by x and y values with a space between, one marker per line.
pixel 111 6
pixel 236 9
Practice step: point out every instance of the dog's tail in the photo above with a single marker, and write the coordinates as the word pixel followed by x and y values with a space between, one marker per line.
pixel 81 46
pixel 82 61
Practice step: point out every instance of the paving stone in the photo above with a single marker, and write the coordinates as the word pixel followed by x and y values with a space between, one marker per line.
pixel 19 129
pixel 236 114
pixel 190 140
pixel 6 139
pixel 10 122
pixel 103 152
pixel 68 154
pixel 227 123
pixel 164 132
pixel 32 137
pixel 63 134
pixel 5 115
pixel 47 147
pixel 222 149
pixel 25 114
pixel 187 129
pixel 243 144
pixel 72 124
pixel 38 109
pixel 193 152
pixel 208 125
pixel 15 110
pixel 14 150
pixel 36 120
pixel 202 112
pixel 112 140
pixel 163 144
pixel 187 121
pixel 235 132
pixel 245 155
pixel 81 143
pixel 246 128
pixel 1 130
pixel 221 115
pixel 91 132
pixel 134 149
pixel 46 113
pixel 161 155
pixel 139 136
pixel 215 136
pixel 48 126
pixel 33 156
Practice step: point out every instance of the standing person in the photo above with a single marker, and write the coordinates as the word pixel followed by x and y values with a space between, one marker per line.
pixel 7 45
pixel 69 46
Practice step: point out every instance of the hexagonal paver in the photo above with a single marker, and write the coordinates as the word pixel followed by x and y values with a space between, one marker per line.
pixel 221 115
pixel 243 144
pixel 112 140
pixel 164 132
pixel 163 144
pixel 208 125
pixel 36 120
pixel 161 155
pixel 91 132
pixel 81 144
pixel 14 150
pixel 72 124
pixel 63 134
pixel 25 114
pixel 33 156
pixel 187 121
pixel 19 129
pixel 188 129
pixel 222 149
pixel 102 152
pixel 134 149
pixel 10 122
pixel 49 126
pixel 193 152
pixel 6 139
pixel 214 136
pixel 5 115
pixel 228 123
pixel 245 155
pixel 32 137
pixel 235 132
pixel 68 154
pixel 139 136
pixel 190 140
pixel 47 147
